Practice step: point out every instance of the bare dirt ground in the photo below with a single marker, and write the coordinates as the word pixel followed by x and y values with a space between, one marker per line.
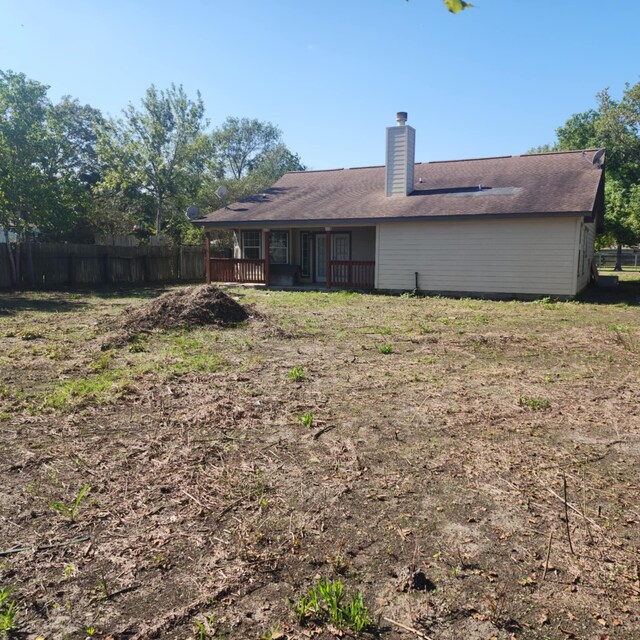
pixel 442 436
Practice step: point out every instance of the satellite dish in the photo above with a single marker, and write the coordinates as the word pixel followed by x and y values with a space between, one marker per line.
pixel 221 192
pixel 193 212
pixel 597 161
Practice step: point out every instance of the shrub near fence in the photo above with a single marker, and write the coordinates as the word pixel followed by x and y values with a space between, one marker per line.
pixel 56 265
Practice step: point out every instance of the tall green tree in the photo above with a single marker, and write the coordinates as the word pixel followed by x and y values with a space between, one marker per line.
pixel 615 126
pixel 159 149
pixel 241 144
pixel 28 193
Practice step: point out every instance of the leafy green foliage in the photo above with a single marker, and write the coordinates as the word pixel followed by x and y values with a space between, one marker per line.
pixel 47 158
pixel 455 6
pixel 615 126
pixel 70 511
pixel 297 374
pixel 385 348
pixel 7 612
pixel 306 420
pixel 326 600
pixel 159 149
pixel 242 144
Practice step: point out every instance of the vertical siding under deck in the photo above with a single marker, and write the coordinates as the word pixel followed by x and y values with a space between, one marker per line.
pixel 516 256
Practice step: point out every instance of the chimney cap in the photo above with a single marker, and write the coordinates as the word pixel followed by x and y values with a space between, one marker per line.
pixel 401 117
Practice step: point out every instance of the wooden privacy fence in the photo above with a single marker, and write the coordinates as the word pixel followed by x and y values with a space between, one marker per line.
pixel 86 264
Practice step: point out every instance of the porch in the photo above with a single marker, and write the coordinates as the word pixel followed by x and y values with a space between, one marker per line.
pixel 319 258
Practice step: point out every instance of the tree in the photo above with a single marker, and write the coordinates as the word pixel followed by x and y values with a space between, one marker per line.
pixel 159 149
pixel 615 126
pixel 241 143
pixel 47 164
pixel 28 193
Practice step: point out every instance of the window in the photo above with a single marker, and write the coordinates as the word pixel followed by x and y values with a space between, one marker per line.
pixel 279 247
pixel 251 245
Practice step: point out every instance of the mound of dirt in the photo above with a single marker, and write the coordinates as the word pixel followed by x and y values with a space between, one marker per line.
pixel 189 307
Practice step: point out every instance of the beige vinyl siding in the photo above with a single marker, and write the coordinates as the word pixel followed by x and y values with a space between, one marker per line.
pixel 516 256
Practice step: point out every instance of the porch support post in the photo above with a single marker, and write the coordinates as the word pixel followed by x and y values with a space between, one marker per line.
pixel 207 256
pixel 266 257
pixel 327 237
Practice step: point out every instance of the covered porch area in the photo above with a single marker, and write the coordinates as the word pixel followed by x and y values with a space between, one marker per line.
pixel 330 257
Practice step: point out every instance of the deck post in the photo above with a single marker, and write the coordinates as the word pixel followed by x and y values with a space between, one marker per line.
pixel 207 256
pixel 266 257
pixel 327 236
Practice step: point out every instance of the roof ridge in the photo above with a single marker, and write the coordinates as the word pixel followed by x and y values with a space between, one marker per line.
pixel 557 153
pixel 522 155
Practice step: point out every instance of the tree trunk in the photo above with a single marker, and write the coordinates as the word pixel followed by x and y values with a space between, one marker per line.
pixel 618 266
pixel 159 215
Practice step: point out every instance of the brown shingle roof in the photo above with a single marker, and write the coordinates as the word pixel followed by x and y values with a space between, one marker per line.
pixel 553 183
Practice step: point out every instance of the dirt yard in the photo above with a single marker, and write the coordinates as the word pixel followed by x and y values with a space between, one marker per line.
pixel 185 483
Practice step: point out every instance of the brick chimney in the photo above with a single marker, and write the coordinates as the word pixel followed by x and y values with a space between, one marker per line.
pixel 400 161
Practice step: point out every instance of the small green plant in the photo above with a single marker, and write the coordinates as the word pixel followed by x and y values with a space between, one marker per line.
pixel 385 348
pixel 306 420
pixel 7 612
pixel 297 374
pixel 273 633
pixel 325 601
pixel 70 511
pixel 356 614
pixel 204 629
pixel 332 592
pixel 535 404
pixel 90 631
pixel 386 331
pixel 70 571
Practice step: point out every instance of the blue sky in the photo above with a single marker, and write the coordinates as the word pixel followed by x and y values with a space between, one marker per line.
pixel 494 80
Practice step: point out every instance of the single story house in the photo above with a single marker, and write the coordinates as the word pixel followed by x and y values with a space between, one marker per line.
pixel 505 226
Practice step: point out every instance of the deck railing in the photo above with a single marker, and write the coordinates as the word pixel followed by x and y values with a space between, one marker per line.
pixel 237 270
pixel 350 274
pixel 355 274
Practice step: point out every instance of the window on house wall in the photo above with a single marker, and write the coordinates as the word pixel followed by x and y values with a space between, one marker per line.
pixel 251 245
pixel 305 255
pixel 279 247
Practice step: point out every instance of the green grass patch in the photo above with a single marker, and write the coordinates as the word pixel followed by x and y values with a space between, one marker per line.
pixel 535 404
pixel 98 388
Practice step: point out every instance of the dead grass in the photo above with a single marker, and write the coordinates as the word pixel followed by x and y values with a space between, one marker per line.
pixel 208 497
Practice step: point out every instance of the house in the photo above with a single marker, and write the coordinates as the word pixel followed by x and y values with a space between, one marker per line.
pixel 513 226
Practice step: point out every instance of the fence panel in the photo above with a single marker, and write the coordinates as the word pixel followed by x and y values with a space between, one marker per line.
pixel 5 269
pixel 59 264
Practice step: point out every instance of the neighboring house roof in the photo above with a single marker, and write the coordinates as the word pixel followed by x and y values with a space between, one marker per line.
pixel 554 184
